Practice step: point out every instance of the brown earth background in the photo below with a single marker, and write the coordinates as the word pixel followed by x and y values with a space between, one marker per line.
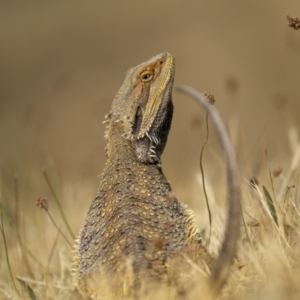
pixel 61 63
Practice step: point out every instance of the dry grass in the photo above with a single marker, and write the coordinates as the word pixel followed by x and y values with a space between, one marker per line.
pixel 35 259
pixel 61 63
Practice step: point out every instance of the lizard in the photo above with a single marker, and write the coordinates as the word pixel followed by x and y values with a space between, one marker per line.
pixel 135 220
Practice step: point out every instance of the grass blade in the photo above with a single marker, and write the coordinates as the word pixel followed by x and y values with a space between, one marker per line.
pixel 270 205
pixel 18 237
pixel 28 289
pixel 6 252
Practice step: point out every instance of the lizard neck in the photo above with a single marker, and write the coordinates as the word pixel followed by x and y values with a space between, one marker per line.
pixel 119 149
pixel 122 161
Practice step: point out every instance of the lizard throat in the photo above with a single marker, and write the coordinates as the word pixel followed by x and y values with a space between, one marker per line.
pixel 149 148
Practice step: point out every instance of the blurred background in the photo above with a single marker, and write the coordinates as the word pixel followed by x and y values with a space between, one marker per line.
pixel 62 62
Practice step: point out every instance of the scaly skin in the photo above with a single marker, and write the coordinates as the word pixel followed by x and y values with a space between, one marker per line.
pixel 135 219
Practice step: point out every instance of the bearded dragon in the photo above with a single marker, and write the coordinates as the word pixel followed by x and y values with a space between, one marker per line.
pixel 135 222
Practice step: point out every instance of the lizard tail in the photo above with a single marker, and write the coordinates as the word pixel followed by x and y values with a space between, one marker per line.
pixel 228 248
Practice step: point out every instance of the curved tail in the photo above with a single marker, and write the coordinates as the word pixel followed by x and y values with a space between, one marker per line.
pixel 229 244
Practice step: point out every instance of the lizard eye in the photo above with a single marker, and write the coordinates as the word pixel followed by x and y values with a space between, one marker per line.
pixel 146 76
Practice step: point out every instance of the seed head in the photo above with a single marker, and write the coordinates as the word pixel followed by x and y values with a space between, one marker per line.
pixel 42 203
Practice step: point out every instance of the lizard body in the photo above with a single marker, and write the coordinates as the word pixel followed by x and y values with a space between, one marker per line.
pixel 135 217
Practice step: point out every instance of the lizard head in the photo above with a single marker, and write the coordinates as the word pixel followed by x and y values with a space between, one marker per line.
pixel 144 106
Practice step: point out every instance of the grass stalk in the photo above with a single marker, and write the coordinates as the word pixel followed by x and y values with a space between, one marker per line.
pixel 43 204
pixel 6 253
pixel 16 191
pixel 23 248
pixel 58 202
pixel 203 177
pixel 52 250
pixel 20 242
